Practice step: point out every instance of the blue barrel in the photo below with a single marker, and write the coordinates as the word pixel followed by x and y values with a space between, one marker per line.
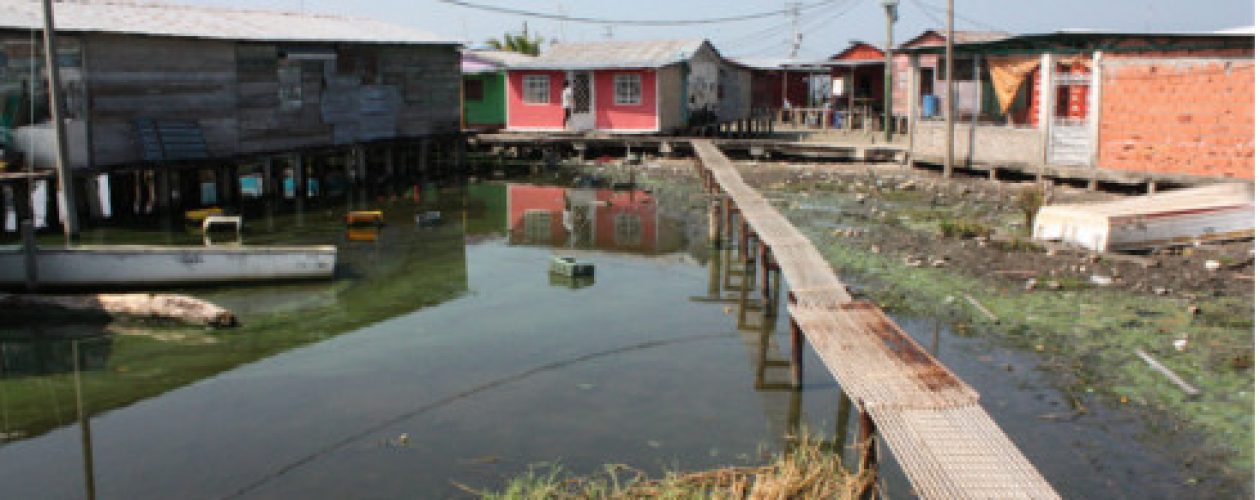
pixel 930 105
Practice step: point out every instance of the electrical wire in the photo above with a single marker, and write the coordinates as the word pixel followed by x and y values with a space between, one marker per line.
pixel 817 23
pixel 630 22
pixel 924 9
pixel 968 20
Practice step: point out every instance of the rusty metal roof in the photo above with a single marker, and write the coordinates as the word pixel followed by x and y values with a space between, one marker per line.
pixel 615 54
pixel 211 23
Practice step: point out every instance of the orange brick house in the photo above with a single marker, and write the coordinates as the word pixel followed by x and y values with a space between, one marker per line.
pixel 1168 106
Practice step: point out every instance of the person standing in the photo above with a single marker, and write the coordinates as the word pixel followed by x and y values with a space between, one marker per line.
pixel 566 100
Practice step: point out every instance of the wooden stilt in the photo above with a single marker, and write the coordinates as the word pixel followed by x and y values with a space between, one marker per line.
pixel 764 251
pixel 866 449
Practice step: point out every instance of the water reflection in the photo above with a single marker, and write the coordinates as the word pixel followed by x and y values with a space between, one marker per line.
pixel 590 218
pixel 47 356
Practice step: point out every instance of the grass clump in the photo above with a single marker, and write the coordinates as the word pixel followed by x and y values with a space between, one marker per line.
pixel 810 471
pixel 964 228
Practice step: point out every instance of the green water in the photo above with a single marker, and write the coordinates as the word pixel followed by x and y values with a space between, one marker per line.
pixel 448 354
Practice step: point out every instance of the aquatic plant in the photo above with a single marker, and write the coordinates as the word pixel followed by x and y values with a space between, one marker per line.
pixel 811 470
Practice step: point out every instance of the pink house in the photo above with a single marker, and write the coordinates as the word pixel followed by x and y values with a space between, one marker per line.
pixel 626 87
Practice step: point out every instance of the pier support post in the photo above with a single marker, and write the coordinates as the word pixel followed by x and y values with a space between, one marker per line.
pixel 715 224
pixel 164 189
pixel 730 215
pixel 797 347
pixel 29 251
pixel 866 448
pixel 765 279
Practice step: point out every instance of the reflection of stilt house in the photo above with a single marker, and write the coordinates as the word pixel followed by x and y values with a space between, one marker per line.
pixel 210 105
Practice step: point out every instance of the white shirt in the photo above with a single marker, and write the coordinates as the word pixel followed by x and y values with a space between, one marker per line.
pixel 566 98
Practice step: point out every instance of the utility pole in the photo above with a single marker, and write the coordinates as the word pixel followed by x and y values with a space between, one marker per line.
pixel 890 15
pixel 793 10
pixel 949 89
pixel 65 194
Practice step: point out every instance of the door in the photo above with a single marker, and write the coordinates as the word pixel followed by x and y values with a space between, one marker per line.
pixel 583 99
pixel 1070 142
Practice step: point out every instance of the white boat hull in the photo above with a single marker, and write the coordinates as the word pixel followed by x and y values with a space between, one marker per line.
pixel 136 265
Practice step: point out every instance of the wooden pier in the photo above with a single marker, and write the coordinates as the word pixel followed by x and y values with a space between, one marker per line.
pixel 755 147
pixel 930 419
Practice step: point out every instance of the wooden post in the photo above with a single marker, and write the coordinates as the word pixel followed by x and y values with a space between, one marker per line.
pixel 842 423
pixel 949 89
pixel 867 448
pixel 65 178
pixel 715 224
pixel 29 252
pixel 164 189
pixel 85 427
pixel 765 279
pixel 890 15
pixel 797 347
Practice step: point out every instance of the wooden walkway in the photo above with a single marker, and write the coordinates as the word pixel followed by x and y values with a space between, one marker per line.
pixel 930 419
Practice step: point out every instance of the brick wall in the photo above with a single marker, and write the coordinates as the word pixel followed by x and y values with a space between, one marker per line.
pixel 1183 113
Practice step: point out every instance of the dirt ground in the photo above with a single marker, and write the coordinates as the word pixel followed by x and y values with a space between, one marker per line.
pixel 894 199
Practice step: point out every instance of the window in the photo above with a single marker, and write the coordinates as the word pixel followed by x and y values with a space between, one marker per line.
pixel 629 89
pixel 537 89
pixel 474 89
pixel 289 80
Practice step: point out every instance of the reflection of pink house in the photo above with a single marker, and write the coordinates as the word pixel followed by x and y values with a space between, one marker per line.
pixel 625 220
pixel 582 218
pixel 536 214
pixel 622 86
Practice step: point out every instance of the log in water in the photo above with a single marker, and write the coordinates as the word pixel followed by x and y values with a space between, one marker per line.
pixel 137 305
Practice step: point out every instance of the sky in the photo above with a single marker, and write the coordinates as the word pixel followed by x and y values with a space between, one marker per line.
pixel 826 29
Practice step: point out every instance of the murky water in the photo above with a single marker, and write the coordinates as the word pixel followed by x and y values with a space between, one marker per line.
pixel 448 354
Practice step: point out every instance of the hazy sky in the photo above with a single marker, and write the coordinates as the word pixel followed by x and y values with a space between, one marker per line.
pixel 827 28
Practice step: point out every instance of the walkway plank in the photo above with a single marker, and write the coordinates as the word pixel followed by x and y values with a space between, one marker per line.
pixel 931 420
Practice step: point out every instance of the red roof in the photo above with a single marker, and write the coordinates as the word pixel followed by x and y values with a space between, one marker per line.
pixel 860 51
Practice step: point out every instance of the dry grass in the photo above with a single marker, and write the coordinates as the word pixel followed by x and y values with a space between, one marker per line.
pixel 809 472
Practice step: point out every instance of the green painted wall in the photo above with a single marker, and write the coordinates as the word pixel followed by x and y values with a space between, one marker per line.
pixel 491 110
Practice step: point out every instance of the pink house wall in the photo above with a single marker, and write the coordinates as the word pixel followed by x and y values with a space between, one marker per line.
pixel 612 116
pixel 537 116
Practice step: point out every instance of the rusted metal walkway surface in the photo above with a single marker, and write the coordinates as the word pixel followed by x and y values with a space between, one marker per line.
pixel 931 420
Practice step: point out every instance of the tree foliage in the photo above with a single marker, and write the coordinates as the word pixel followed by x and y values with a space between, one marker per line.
pixel 517 42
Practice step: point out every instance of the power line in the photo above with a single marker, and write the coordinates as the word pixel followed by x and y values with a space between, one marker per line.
pixel 825 18
pixel 633 22
pixel 969 20
pixel 924 9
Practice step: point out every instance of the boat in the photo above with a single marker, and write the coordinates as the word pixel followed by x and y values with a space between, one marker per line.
pixel 152 265
pixel 1171 218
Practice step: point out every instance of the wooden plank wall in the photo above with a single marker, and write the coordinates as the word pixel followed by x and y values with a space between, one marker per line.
pixel 256 98
pixel 132 77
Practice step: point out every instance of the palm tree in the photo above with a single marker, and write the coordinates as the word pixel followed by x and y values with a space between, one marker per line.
pixel 518 43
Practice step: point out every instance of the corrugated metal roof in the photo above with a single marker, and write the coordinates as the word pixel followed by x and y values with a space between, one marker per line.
pixel 500 57
pixel 776 63
pixel 207 22
pixel 614 54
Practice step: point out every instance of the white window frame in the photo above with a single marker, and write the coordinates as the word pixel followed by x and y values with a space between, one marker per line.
pixel 621 99
pixel 531 85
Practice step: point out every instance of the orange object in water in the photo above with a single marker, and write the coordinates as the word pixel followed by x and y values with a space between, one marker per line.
pixel 365 218
pixel 362 233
